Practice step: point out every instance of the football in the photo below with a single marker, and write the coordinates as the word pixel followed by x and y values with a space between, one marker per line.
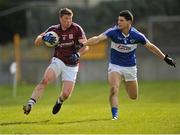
pixel 56 39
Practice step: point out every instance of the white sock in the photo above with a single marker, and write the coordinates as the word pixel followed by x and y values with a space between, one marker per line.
pixel 31 101
pixel 59 101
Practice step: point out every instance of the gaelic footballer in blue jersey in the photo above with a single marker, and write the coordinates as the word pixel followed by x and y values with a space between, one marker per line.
pixel 122 65
pixel 123 46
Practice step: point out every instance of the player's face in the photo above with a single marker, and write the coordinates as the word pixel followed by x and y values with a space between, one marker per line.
pixel 66 21
pixel 123 23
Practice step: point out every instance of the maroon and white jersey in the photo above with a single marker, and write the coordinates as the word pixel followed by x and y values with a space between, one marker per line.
pixel 68 42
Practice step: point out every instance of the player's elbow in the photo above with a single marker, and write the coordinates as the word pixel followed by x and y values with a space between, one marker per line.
pixel 151 46
pixel 38 41
pixel 86 48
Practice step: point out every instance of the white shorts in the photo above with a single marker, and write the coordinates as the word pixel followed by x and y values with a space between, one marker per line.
pixel 128 73
pixel 67 73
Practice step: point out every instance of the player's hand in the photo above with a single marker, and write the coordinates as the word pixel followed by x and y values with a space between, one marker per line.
pixel 49 38
pixel 75 57
pixel 169 61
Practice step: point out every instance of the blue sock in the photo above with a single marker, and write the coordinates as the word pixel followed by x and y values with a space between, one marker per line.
pixel 114 111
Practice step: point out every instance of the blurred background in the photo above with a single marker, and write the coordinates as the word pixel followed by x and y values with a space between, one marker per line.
pixel 22 20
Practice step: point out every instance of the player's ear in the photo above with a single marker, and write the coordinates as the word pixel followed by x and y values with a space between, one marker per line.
pixel 130 22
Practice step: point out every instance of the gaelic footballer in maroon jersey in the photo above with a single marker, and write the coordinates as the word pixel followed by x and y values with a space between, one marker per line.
pixel 69 42
pixel 65 59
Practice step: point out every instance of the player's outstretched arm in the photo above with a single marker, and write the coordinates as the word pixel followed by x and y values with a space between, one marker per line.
pixel 154 49
pixel 95 40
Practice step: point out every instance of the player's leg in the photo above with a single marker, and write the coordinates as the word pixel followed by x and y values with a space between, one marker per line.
pixel 69 78
pixel 67 88
pixel 131 84
pixel 114 79
pixel 132 89
pixel 49 76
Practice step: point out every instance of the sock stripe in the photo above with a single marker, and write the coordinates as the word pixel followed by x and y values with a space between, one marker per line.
pixel 60 101
pixel 33 99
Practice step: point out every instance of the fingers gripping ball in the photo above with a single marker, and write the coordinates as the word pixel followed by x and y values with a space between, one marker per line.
pixel 51 39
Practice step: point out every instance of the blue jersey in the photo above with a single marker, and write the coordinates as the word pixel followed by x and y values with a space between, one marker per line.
pixel 123 47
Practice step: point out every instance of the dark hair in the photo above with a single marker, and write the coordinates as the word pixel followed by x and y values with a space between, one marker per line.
pixel 127 15
pixel 65 11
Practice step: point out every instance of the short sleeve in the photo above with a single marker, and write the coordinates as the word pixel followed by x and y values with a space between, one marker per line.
pixel 142 39
pixel 80 33
pixel 108 32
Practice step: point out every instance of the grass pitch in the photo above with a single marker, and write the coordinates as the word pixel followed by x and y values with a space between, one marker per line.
pixel 157 110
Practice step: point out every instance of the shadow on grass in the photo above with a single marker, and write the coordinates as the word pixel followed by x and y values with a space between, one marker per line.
pixel 17 123
pixel 46 121
pixel 81 121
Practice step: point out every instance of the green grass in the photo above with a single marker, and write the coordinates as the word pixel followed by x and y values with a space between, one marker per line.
pixel 157 110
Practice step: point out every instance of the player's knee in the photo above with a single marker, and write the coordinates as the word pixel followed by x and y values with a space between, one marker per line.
pixel 114 90
pixel 133 97
pixel 44 82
